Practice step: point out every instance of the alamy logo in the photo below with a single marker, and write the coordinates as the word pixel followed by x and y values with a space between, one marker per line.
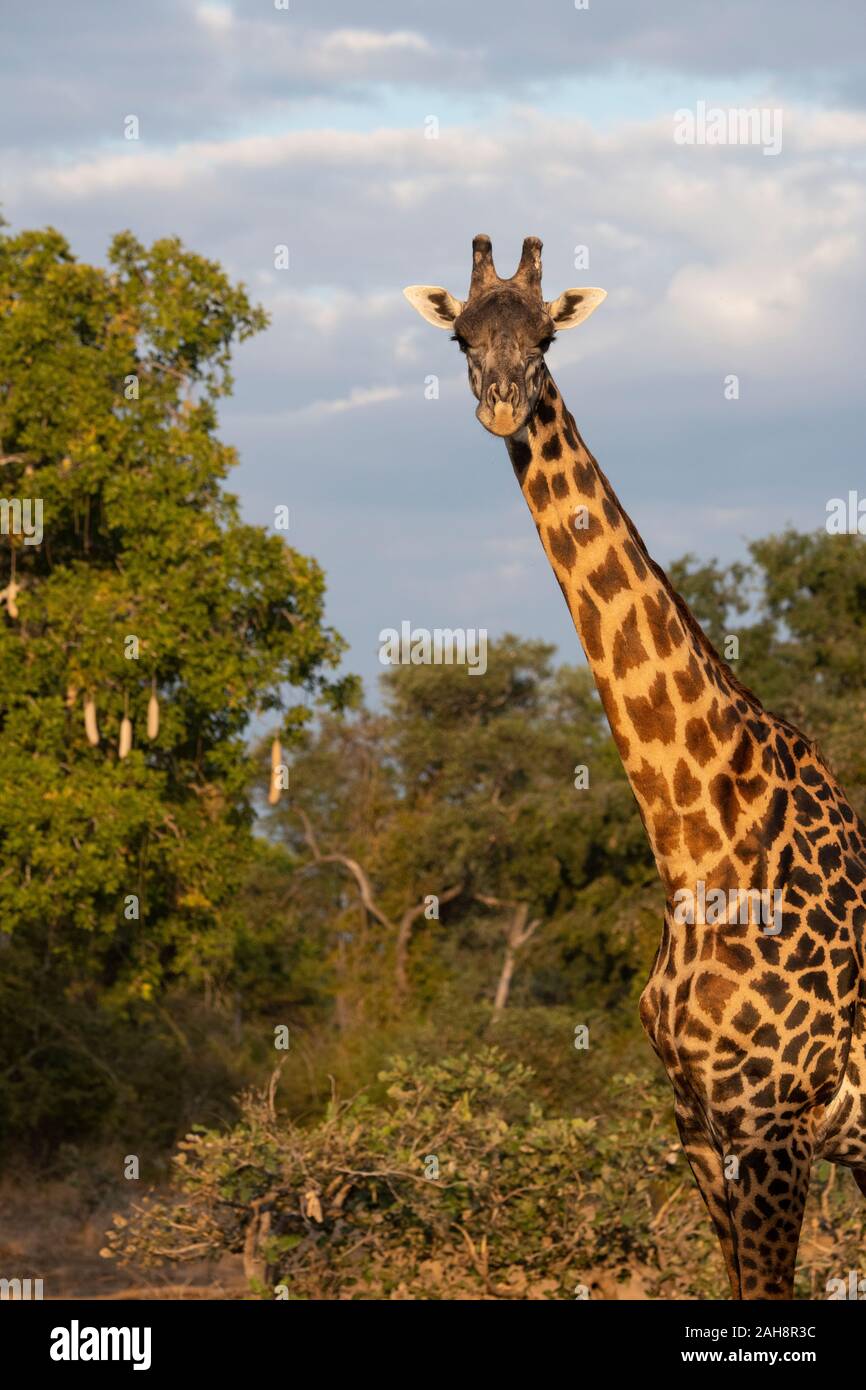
pixel 743 906
pixel 22 517
pixel 853 1287
pixel 443 646
pixel 846 516
pixel 716 125
pixel 76 1343
pixel 20 1289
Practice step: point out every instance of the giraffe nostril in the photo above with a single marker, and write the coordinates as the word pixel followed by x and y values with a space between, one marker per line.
pixel 492 395
pixel 514 394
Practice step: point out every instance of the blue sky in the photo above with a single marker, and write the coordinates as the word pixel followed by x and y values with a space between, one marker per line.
pixel 260 127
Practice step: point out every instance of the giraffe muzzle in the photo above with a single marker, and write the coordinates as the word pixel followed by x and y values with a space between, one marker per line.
pixel 498 412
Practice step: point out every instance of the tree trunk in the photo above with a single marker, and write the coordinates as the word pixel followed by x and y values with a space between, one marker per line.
pixel 403 938
pixel 517 935
pixel 401 951
pixel 504 985
pixel 341 998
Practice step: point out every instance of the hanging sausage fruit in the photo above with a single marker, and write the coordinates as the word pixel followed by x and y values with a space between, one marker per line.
pixel 125 742
pixel 91 727
pixel 153 712
pixel 276 768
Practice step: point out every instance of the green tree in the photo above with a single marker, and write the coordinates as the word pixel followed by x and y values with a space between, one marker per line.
pixel 715 595
pixel 802 650
pixel 467 791
pixel 119 874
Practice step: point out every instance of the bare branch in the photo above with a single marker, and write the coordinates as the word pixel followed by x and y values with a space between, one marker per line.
pixel 489 901
pixel 524 936
pixel 353 867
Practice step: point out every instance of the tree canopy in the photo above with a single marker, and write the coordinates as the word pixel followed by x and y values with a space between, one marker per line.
pixel 120 873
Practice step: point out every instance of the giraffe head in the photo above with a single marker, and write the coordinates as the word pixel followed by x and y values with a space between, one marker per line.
pixel 504 328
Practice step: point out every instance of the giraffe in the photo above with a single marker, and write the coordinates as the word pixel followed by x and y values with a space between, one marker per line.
pixel 759 1018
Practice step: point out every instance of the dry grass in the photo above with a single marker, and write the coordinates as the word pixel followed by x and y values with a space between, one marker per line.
pixel 54 1229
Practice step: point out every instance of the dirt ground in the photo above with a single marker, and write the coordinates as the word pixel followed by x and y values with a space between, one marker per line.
pixel 54 1231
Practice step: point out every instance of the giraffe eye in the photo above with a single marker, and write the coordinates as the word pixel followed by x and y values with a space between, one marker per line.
pixel 545 343
pixel 461 342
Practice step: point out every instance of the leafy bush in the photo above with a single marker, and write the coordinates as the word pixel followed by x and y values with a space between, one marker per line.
pixel 456 1186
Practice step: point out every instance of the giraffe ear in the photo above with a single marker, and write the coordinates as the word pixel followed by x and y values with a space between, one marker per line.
pixel 573 306
pixel 434 304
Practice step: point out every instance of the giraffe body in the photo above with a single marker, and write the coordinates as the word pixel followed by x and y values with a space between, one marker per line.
pixel 761 1025
pixel 759 1018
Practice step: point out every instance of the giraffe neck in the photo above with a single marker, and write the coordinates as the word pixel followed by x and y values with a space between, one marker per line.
pixel 688 733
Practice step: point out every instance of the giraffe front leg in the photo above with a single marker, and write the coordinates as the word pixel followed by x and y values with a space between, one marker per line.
pixel 708 1169
pixel 766 1197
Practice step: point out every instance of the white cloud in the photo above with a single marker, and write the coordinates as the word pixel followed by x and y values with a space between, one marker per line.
pixel 359 397
pixel 201 160
pixel 716 261
pixel 217 18
pixel 364 42
pixel 329 56
pixel 687 241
